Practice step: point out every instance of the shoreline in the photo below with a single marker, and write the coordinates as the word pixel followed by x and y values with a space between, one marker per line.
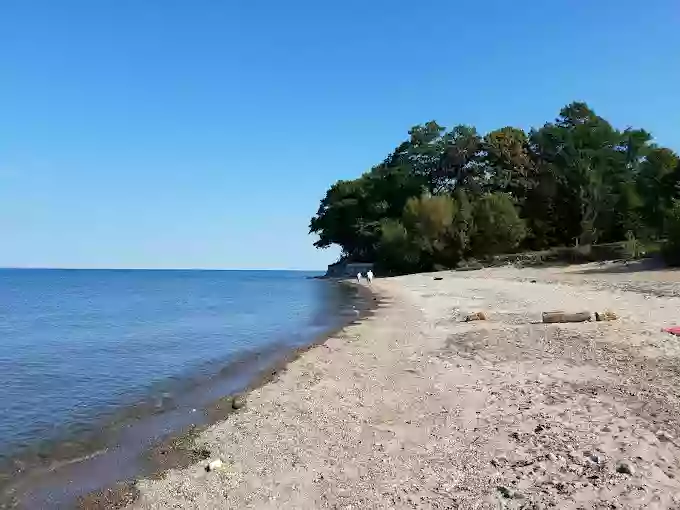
pixel 415 408
pixel 173 450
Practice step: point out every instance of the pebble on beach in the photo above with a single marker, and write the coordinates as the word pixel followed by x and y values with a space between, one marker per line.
pixel 625 467
pixel 214 465
pixel 238 402
pixel 664 436
pixel 607 315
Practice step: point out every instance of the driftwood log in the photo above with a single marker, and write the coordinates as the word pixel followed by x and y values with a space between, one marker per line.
pixel 477 316
pixel 559 316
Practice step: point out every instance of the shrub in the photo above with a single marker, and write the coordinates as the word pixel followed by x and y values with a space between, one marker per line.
pixel 396 252
pixel 671 250
pixel 431 235
pixel 497 228
pixel 632 247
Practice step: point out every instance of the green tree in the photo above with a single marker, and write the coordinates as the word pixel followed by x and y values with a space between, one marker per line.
pixel 429 219
pixel 396 253
pixel 441 194
pixel 347 217
pixel 671 249
pixel 497 226
pixel 460 163
pixel 508 162
pixel 656 184
pixel 461 227
pixel 578 151
pixel 350 213
pixel 432 234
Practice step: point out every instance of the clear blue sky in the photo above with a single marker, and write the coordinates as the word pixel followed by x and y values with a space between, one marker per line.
pixel 202 133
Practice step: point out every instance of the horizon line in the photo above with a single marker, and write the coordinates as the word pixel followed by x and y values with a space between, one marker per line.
pixel 50 268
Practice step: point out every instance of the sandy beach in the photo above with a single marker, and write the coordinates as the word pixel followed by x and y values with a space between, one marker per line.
pixel 412 408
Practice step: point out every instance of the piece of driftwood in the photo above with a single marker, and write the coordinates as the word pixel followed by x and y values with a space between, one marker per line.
pixel 559 316
pixel 607 315
pixel 477 316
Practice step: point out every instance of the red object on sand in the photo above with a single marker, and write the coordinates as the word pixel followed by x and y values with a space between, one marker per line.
pixel 675 330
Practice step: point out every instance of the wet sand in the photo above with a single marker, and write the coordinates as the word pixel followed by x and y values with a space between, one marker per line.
pixel 412 408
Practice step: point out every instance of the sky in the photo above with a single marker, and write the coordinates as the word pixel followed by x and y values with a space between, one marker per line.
pixel 203 133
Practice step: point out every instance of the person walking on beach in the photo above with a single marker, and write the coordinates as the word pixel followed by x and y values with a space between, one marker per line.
pixel 358 277
pixel 369 276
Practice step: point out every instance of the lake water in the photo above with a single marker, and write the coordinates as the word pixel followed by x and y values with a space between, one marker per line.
pixel 76 345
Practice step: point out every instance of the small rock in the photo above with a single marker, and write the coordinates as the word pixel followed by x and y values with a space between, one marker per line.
pixel 664 436
pixel 595 458
pixel 606 429
pixel 238 402
pixel 625 467
pixel 575 468
pixel 504 491
pixel 607 315
pixel 552 457
pixel 509 493
pixel 498 461
pixel 214 465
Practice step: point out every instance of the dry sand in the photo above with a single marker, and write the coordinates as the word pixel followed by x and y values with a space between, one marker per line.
pixel 414 409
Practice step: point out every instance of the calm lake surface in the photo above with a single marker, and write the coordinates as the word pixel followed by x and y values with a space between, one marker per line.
pixel 76 345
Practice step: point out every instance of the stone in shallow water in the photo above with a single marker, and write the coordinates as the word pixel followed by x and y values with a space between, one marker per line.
pixel 238 402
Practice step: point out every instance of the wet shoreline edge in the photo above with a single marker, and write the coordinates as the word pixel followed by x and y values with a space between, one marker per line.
pixel 179 449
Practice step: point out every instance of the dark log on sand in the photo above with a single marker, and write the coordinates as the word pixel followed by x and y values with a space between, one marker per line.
pixel 552 317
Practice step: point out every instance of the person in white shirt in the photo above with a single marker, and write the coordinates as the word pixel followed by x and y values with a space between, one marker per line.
pixel 358 277
pixel 369 276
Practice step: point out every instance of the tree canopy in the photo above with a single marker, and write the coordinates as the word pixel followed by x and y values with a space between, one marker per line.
pixel 443 195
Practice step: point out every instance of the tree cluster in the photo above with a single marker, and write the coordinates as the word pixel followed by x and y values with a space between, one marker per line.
pixel 444 195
